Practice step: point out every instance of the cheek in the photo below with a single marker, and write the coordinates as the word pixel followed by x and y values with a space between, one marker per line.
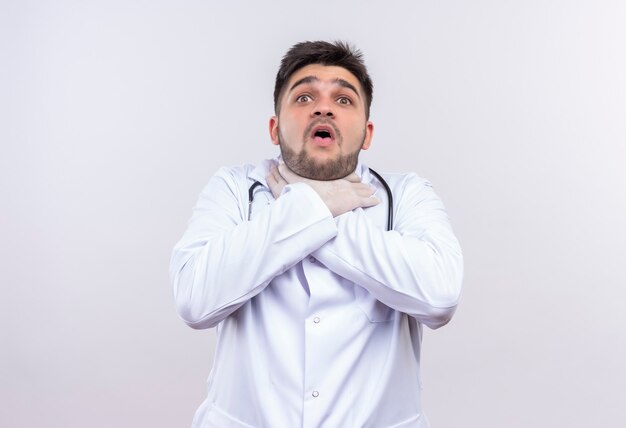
pixel 287 132
pixel 356 134
pixel 291 127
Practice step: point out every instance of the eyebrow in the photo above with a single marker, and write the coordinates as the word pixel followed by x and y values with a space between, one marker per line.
pixel 338 81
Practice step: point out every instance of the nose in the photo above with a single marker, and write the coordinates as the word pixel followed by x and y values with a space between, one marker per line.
pixel 323 109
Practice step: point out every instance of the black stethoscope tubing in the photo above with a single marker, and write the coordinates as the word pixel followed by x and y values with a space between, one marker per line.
pixel 377 175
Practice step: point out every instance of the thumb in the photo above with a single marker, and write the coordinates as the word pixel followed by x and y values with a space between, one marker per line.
pixel 286 173
pixel 369 202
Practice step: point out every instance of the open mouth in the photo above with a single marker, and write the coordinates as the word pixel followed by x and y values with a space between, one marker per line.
pixel 323 135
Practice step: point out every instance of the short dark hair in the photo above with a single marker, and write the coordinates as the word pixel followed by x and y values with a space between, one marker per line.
pixel 338 53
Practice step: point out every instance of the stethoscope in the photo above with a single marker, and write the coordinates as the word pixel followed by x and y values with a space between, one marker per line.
pixel 377 175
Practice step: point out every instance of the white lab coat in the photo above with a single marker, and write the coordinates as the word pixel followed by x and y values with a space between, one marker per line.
pixel 319 319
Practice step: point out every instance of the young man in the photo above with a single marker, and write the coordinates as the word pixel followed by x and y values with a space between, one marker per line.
pixel 318 307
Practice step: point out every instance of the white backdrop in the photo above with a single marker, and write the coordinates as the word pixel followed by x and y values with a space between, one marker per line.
pixel 114 114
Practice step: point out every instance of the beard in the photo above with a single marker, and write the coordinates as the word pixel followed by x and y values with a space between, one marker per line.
pixel 305 165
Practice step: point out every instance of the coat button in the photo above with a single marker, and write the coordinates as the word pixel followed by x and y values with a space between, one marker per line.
pixel 316 320
pixel 315 394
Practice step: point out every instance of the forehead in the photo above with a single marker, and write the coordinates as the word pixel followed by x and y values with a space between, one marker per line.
pixel 325 74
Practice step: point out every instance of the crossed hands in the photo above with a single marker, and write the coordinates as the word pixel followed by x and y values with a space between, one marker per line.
pixel 340 196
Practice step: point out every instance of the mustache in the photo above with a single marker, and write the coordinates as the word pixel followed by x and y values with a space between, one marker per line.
pixel 322 121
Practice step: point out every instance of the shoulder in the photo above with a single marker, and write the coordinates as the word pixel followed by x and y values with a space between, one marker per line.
pixel 400 181
pixel 232 176
pixel 230 182
pixel 409 190
pixel 236 172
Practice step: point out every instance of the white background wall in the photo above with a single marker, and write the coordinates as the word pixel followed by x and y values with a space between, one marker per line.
pixel 114 114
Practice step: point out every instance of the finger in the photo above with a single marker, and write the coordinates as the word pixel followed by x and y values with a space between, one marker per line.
pixel 275 182
pixel 271 183
pixel 369 202
pixel 353 178
pixel 288 175
pixel 283 170
pixel 279 178
pixel 274 173
pixel 271 176
pixel 365 194
pixel 363 189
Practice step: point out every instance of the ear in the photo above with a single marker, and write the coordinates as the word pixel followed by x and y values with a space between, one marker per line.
pixel 369 133
pixel 274 130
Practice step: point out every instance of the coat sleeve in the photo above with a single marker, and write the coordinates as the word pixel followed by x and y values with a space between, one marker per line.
pixel 223 260
pixel 416 268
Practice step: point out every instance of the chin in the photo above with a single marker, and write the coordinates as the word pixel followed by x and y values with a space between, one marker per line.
pixel 326 167
pixel 323 170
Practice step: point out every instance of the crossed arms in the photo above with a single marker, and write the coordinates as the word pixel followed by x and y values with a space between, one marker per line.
pixel 223 260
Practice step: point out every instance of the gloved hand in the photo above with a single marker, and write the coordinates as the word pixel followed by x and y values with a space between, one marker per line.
pixel 340 196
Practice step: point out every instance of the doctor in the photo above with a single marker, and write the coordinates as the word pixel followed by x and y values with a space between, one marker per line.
pixel 319 309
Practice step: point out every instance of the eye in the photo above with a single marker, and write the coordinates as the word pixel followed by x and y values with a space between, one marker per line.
pixel 344 100
pixel 303 99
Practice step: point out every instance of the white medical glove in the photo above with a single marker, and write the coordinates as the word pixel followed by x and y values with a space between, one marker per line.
pixel 340 196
